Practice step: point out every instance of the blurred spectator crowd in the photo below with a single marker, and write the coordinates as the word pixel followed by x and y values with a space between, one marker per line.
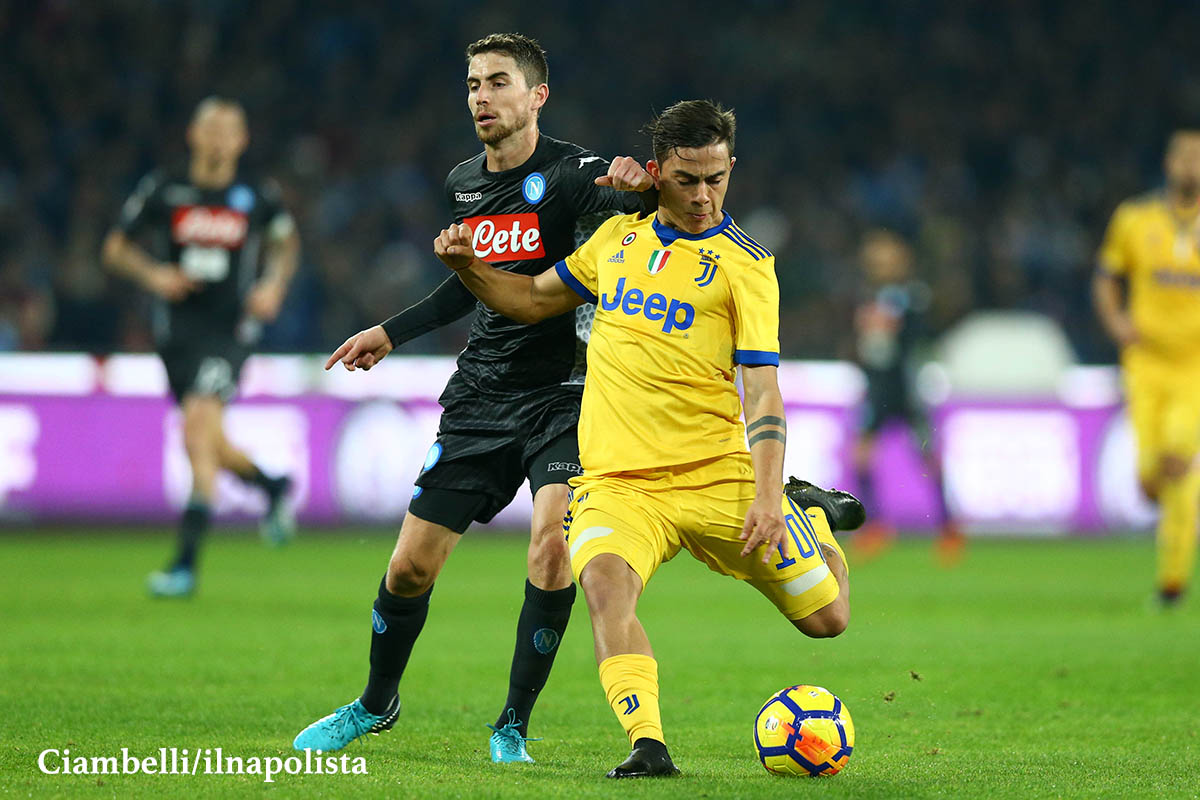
pixel 997 137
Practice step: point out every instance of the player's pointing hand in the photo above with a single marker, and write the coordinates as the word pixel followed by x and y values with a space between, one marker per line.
pixel 454 247
pixel 363 350
pixel 625 174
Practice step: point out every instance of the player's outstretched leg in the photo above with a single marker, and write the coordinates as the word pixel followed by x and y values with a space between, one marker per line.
pixel 201 436
pixel 628 670
pixel 549 595
pixel 278 525
pixel 396 621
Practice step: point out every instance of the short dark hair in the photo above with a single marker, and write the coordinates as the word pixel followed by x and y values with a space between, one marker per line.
pixel 690 123
pixel 529 55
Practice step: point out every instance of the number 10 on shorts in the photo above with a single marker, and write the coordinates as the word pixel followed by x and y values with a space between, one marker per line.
pixel 803 535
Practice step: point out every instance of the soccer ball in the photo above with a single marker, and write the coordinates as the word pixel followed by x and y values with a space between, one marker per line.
pixel 804 730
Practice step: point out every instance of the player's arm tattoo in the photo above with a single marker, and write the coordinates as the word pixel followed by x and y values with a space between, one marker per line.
pixel 767 427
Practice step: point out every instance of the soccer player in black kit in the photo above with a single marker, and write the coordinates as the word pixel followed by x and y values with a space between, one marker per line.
pixel 889 324
pixel 206 227
pixel 512 406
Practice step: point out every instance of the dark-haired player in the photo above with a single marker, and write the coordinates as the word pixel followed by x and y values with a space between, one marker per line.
pixel 221 253
pixel 512 406
pixel 888 324
pixel 683 298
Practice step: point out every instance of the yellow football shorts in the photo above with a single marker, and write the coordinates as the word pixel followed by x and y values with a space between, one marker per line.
pixel 647 516
pixel 1164 409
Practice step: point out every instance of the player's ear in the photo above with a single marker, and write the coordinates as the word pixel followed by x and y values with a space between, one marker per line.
pixel 655 172
pixel 732 161
pixel 541 93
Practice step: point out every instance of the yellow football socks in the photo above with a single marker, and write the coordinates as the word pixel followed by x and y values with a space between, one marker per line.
pixel 631 683
pixel 1178 505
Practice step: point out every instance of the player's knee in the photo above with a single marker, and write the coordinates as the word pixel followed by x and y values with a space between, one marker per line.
pixel 408 576
pixel 608 585
pixel 825 623
pixel 1174 467
pixel 548 545
pixel 201 428
pixel 199 442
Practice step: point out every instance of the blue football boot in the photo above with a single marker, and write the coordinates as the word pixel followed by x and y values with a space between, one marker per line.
pixel 343 726
pixel 278 526
pixel 507 744
pixel 174 582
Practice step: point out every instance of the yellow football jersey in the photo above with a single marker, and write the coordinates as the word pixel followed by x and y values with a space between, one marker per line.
pixel 1159 254
pixel 675 312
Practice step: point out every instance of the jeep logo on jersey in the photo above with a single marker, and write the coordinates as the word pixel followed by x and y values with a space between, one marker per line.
pixel 210 226
pixel 506 237
pixel 675 315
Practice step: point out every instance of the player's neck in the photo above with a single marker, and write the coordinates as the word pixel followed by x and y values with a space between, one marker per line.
pixel 665 217
pixel 1183 204
pixel 211 176
pixel 513 151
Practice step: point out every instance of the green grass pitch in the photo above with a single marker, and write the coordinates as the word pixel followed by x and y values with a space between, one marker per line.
pixel 1033 669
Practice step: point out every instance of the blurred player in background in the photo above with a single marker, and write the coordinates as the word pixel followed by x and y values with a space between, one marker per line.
pixel 683 298
pixel 512 406
pixel 220 251
pixel 1151 249
pixel 888 326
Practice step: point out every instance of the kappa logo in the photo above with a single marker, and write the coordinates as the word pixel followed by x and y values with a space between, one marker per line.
pixel 468 197
pixel 675 315
pixel 708 268
pixel 617 258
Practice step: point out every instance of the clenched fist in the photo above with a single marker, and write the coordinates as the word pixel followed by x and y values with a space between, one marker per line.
pixel 453 247
pixel 625 174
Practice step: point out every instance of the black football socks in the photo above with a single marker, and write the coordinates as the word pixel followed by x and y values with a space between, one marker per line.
pixel 540 629
pixel 192 528
pixel 396 623
pixel 272 486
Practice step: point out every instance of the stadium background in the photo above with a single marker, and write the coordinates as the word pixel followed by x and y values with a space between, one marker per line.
pixel 997 139
pixel 998 136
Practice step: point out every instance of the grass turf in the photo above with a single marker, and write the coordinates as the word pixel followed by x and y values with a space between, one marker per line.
pixel 1033 669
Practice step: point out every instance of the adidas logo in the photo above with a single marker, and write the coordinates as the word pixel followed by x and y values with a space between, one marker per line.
pixel 617 258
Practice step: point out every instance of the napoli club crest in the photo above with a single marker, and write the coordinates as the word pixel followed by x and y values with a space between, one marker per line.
pixel 534 188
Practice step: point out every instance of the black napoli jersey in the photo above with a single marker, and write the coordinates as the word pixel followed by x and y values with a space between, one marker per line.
pixel 525 220
pixel 890 323
pixel 214 236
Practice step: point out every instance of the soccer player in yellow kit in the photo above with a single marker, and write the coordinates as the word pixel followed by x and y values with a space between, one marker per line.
pixel 682 298
pixel 1152 244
